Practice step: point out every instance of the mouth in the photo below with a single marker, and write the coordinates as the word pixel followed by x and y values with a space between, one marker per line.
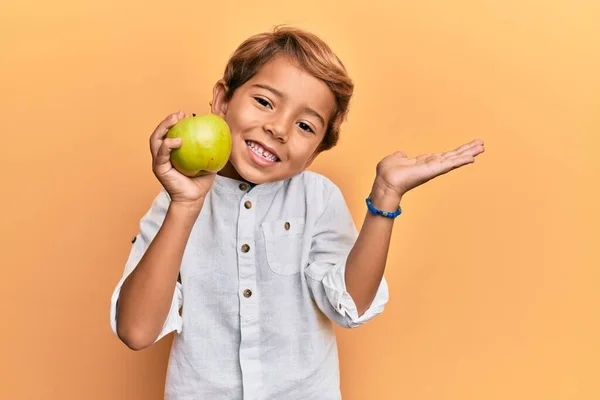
pixel 262 151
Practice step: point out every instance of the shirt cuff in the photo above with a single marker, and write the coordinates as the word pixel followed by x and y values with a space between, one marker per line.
pixel 343 303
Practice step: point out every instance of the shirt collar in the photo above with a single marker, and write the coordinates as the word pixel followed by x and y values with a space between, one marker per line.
pixel 229 185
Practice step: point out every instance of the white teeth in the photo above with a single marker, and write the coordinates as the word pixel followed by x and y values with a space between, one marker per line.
pixel 262 152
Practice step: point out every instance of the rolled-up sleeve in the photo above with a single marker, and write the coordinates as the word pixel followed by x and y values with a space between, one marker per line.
pixel 334 237
pixel 148 228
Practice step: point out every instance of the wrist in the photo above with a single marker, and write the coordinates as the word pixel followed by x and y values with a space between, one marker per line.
pixel 185 208
pixel 384 197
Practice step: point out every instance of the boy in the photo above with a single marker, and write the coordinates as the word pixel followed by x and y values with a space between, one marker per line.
pixel 266 253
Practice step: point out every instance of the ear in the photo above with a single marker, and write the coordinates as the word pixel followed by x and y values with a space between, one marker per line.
pixel 219 103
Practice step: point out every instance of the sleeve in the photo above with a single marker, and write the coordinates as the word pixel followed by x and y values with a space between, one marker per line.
pixel 335 234
pixel 148 228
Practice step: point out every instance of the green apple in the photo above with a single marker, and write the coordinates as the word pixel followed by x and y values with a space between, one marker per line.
pixel 205 147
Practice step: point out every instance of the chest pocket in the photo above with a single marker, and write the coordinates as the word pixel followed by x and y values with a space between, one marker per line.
pixel 283 245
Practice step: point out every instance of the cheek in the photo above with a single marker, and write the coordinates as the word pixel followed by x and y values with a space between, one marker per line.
pixel 241 118
pixel 301 150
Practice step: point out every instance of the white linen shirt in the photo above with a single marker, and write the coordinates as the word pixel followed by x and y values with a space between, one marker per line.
pixel 262 280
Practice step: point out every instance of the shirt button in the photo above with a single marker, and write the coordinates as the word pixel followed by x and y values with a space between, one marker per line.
pixel 247 293
pixel 286 226
pixel 243 186
pixel 245 248
pixel 248 204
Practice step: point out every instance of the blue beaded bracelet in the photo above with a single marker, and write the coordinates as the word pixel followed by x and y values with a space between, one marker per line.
pixel 382 213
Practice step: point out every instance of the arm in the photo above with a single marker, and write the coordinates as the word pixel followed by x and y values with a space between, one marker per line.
pixel 333 237
pixel 396 175
pixel 366 262
pixel 150 292
pixel 147 293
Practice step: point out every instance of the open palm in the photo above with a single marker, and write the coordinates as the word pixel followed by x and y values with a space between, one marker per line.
pixel 401 173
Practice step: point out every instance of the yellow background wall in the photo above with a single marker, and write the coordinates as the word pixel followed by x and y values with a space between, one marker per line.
pixel 494 270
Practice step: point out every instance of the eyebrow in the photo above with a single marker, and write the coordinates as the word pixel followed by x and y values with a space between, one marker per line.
pixel 280 94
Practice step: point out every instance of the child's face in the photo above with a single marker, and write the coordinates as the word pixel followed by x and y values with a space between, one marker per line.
pixel 277 120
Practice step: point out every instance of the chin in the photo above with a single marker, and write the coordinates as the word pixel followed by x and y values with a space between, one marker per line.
pixel 255 177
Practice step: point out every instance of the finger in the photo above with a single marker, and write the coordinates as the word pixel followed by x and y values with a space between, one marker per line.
pixel 167 123
pixel 164 152
pixel 457 161
pixel 471 151
pixel 456 151
pixel 476 150
pixel 162 129
pixel 445 165
pixel 474 147
pixel 463 148
pixel 473 143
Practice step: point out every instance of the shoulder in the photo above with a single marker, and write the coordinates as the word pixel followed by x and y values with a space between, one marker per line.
pixel 314 181
pixel 317 187
pixel 327 206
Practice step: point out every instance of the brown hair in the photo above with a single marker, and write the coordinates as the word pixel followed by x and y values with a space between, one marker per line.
pixel 312 54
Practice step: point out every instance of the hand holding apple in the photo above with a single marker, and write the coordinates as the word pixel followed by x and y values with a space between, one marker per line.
pixel 187 152
pixel 397 174
pixel 206 145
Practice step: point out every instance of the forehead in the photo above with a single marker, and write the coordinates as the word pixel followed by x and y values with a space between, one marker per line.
pixel 298 86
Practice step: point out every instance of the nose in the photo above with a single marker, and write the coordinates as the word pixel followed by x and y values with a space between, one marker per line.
pixel 278 129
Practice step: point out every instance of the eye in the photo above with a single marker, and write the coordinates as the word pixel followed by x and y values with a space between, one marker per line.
pixel 263 102
pixel 305 127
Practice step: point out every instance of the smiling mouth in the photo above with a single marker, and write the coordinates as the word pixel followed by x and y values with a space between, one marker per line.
pixel 260 151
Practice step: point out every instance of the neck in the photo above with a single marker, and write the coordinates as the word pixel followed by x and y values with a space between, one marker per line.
pixel 229 171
